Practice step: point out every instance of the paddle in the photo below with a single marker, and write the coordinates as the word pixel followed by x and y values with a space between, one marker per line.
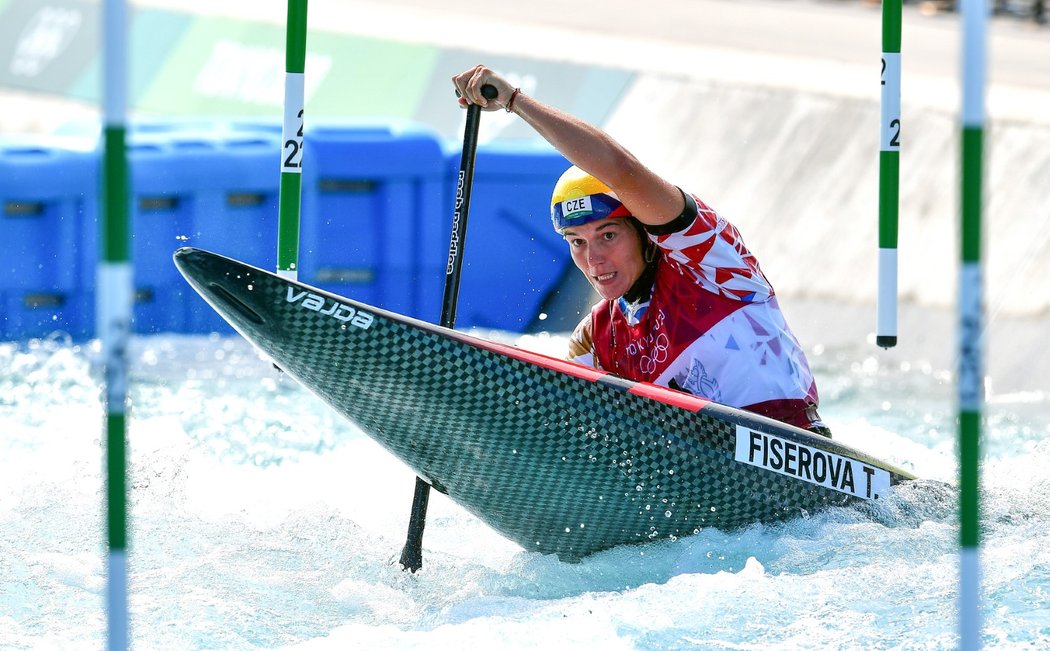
pixel 412 554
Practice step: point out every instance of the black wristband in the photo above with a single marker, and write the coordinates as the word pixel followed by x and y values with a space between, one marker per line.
pixel 681 222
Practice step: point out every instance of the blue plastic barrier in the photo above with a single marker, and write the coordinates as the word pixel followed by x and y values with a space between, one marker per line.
pixel 514 260
pixel 372 215
pixel 47 198
pixel 213 187
pixel 376 219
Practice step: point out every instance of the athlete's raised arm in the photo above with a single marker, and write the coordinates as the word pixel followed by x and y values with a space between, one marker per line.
pixel 650 199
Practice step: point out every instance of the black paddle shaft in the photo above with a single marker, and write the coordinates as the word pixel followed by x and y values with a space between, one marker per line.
pixel 412 553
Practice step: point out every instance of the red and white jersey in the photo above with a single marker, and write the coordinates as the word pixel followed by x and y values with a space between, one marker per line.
pixel 712 327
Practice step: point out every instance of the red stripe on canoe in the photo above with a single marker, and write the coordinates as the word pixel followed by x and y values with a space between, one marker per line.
pixel 644 389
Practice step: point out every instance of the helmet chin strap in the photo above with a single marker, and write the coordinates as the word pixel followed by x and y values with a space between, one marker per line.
pixel 639 293
pixel 642 289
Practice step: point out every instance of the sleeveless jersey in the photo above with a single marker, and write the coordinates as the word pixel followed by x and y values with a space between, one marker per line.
pixel 712 327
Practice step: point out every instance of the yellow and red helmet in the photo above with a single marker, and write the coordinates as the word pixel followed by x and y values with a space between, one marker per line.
pixel 579 198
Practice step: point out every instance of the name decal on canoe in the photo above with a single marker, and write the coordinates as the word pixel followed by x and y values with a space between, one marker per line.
pixel 336 310
pixel 810 464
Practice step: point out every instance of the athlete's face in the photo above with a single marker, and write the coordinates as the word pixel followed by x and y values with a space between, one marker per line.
pixel 609 253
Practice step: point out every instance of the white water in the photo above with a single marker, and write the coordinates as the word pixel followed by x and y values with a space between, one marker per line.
pixel 261 520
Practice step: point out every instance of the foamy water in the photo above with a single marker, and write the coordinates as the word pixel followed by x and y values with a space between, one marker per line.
pixel 262 520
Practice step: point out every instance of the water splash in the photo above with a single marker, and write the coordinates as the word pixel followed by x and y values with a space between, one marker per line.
pixel 260 521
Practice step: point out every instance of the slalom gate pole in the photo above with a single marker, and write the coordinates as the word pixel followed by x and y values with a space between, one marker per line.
pixel 114 300
pixel 971 318
pixel 412 552
pixel 889 174
pixel 292 142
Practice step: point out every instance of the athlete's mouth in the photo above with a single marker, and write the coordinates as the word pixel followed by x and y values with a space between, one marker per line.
pixel 605 277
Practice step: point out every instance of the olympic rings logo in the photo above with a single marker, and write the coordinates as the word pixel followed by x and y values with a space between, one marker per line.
pixel 649 363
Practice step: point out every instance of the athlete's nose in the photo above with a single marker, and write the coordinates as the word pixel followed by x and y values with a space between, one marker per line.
pixel 595 255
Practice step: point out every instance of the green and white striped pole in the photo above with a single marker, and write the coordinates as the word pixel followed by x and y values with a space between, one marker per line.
pixel 889 174
pixel 113 311
pixel 292 139
pixel 971 319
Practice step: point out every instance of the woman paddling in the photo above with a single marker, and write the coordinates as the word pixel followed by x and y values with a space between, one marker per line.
pixel 684 302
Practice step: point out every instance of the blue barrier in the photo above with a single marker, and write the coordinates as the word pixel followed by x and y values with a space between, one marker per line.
pixel 376 218
pixel 371 215
pixel 48 202
pixel 212 187
pixel 514 260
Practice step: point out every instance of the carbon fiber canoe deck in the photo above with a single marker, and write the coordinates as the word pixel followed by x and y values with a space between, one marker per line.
pixel 557 457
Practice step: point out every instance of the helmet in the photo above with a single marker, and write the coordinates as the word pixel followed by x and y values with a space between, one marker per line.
pixel 580 198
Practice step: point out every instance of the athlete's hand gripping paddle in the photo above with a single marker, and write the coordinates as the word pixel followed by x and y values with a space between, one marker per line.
pixel 412 554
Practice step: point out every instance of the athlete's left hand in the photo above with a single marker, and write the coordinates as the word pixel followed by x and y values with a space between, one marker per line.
pixel 468 86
